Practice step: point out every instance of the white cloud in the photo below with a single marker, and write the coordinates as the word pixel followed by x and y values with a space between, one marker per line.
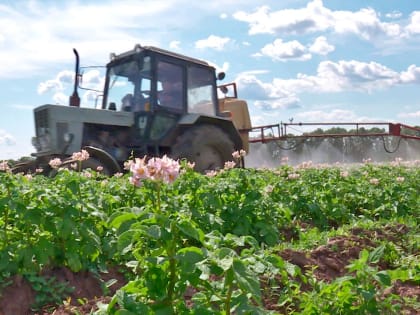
pixel 6 138
pixel 412 75
pixel 294 50
pixel 60 98
pixel 335 115
pixel 282 51
pixel 410 115
pixel 213 42
pixel 92 79
pixel 314 17
pixel 414 26
pixel 35 36
pixel 57 84
pixel 331 77
pixel 344 76
pixel 317 18
pixel 174 44
pixel 266 95
pixel 321 46
pixel 394 14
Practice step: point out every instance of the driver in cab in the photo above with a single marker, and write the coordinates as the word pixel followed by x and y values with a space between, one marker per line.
pixel 170 79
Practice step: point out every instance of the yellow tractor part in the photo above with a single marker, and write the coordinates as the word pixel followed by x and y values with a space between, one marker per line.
pixel 238 112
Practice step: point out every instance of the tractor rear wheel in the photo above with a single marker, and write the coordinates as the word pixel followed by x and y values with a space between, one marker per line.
pixel 209 147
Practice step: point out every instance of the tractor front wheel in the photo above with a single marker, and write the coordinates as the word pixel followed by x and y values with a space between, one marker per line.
pixel 209 147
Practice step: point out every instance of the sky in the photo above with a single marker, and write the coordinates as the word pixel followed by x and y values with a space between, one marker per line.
pixel 306 60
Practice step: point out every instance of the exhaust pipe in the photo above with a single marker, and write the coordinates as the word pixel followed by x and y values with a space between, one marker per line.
pixel 74 98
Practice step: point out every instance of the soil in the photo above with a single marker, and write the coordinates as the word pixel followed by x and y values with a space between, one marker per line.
pixel 330 261
pixel 18 298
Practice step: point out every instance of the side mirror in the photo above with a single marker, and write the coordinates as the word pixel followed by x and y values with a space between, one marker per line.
pixel 221 75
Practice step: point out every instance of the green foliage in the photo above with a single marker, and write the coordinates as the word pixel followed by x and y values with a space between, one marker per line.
pixel 48 290
pixel 212 239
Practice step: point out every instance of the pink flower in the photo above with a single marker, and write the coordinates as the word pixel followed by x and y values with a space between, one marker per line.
pixel 238 154
pixel 268 189
pixel 87 174
pixel 306 164
pixel 127 164
pixel 344 174
pixel 100 168
pixel 211 173
pixel 374 181
pixel 4 166
pixel 55 163
pixel 162 169
pixel 229 165
pixel 293 176
pixel 80 156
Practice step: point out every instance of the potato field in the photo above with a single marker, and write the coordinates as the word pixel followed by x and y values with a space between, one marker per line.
pixel 163 239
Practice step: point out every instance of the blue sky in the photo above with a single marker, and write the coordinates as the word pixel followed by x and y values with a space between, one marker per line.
pixel 313 61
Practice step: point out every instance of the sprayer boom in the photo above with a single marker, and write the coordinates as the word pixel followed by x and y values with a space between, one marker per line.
pixel 288 131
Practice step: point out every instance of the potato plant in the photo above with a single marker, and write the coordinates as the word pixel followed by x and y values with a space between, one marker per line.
pixel 209 244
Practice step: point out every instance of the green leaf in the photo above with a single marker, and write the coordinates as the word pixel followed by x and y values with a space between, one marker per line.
pixel 247 281
pixel 153 231
pixel 117 220
pixel 125 241
pixel 376 254
pixel 367 295
pixel 383 278
pixel 73 261
pixel 189 229
pixel 188 257
pixel 225 258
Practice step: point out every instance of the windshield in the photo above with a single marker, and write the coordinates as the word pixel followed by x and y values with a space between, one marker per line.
pixel 129 85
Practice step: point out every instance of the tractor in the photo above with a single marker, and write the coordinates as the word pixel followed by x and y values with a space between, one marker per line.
pixel 154 103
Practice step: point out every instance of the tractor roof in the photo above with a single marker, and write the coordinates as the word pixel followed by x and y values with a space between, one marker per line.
pixel 138 48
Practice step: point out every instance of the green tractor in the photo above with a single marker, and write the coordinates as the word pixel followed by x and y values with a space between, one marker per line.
pixel 155 102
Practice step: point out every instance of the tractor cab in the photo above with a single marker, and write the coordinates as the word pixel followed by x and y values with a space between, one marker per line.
pixel 149 79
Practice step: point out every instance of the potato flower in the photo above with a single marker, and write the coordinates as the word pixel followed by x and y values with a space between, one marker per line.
pixel 238 154
pixel 229 165
pixel 80 156
pixel 55 163
pixel 4 166
pixel 163 169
